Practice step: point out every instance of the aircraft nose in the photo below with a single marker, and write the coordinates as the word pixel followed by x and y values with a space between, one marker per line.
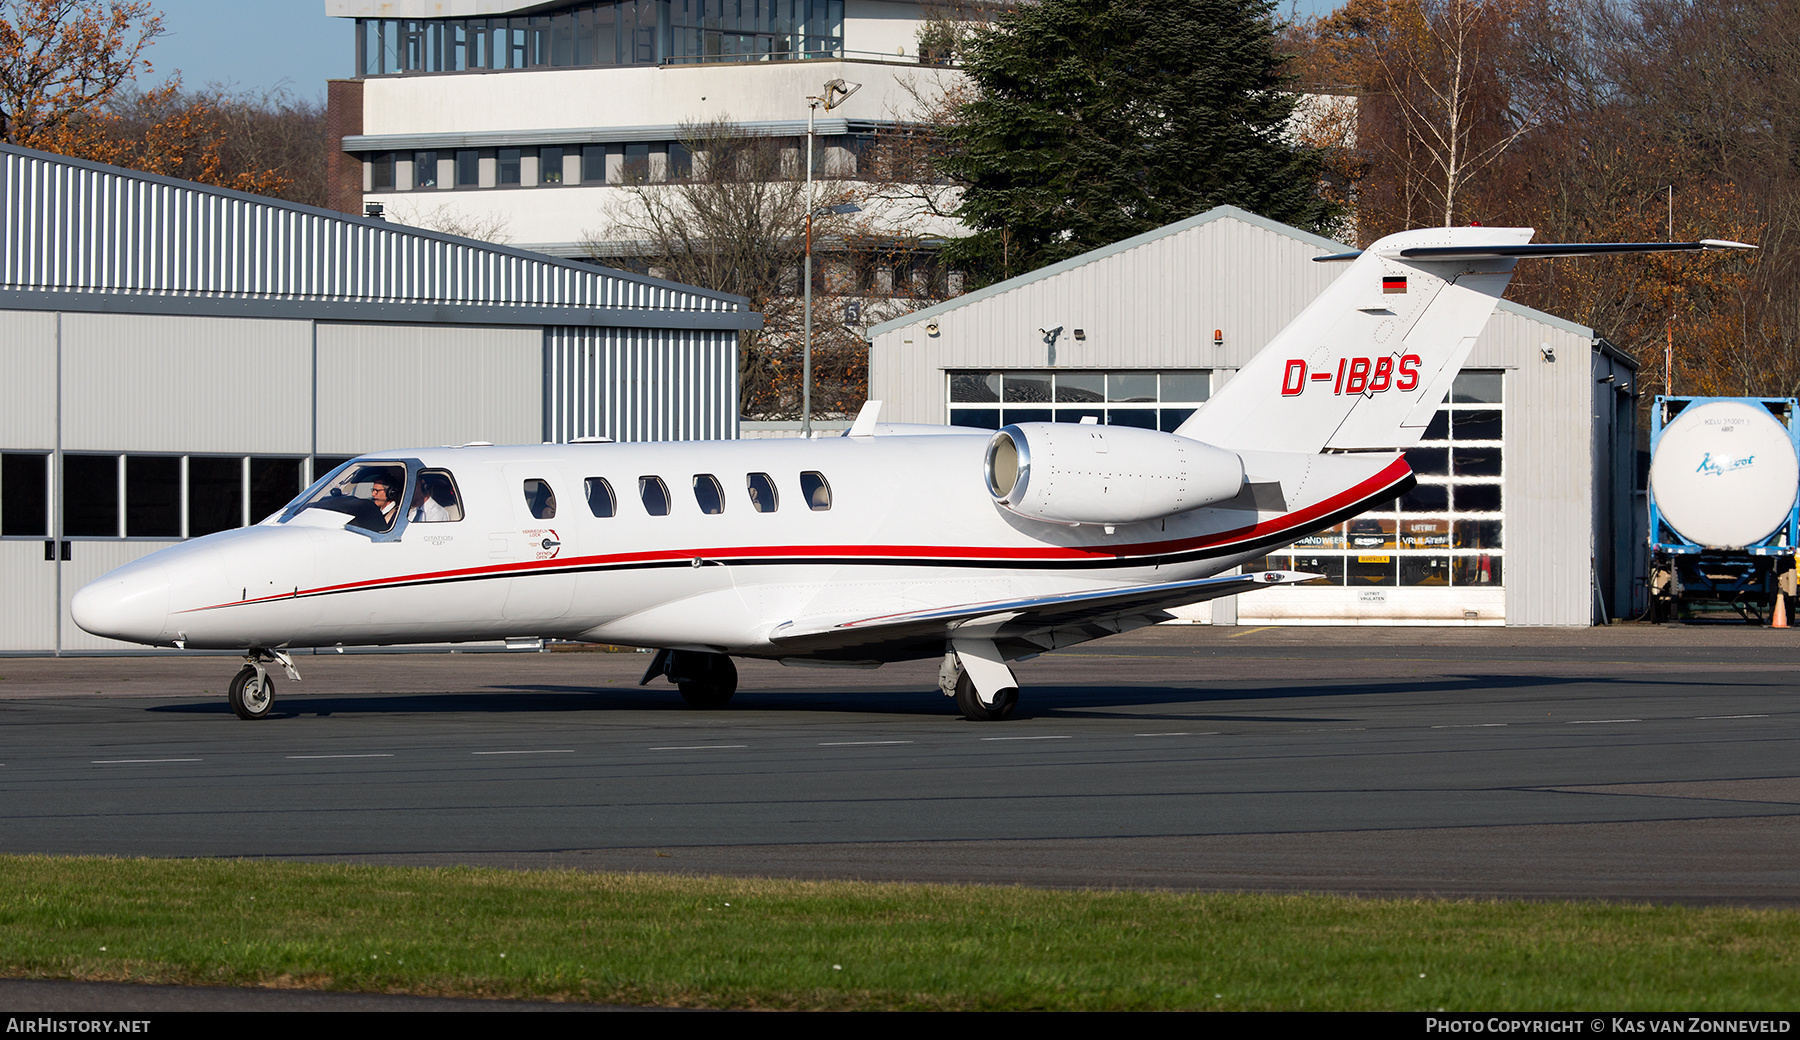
pixel 131 603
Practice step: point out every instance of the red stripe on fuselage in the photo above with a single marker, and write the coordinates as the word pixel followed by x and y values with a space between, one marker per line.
pixel 1392 474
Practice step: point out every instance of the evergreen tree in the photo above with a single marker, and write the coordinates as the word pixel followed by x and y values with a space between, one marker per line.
pixel 1096 120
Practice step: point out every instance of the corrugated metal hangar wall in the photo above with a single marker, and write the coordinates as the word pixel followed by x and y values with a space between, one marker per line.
pixel 180 359
pixel 1503 528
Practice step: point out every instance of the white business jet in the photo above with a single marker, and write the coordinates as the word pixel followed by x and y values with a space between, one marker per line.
pixel 891 543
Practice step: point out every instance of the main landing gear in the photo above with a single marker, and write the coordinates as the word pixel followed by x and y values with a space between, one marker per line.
pixel 252 692
pixel 975 674
pixel 706 681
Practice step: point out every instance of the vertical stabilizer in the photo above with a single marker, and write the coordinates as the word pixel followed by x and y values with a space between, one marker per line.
pixel 1368 362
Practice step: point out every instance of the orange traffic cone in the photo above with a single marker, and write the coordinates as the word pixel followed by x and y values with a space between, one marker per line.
pixel 1780 612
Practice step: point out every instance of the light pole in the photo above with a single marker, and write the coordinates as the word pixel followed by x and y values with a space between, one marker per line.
pixel 832 96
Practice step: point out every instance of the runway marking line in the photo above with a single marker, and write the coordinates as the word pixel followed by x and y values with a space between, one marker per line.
pixel 1060 737
pixel 542 751
pixel 1597 722
pixel 138 761
pixel 1184 733
pixel 1698 718
pixel 377 754
pixel 698 747
pixel 1477 725
pixel 860 743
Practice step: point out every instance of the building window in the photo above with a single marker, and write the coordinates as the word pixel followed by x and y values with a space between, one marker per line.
pixel 681 162
pixel 468 168
pixel 506 166
pixel 593 164
pixel 90 495
pixel 153 496
pixel 605 32
pixel 215 494
pixel 164 496
pixel 24 494
pixel 550 165
pixel 1150 400
pixel 637 163
pixel 1447 531
pixel 425 170
pixel 381 172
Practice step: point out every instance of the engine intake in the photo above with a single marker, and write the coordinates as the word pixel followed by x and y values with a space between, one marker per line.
pixel 1069 473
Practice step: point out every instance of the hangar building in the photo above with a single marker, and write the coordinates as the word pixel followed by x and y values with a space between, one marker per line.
pixel 183 359
pixel 1524 513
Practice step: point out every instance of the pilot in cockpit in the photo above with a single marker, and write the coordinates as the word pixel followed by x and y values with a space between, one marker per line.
pixel 385 493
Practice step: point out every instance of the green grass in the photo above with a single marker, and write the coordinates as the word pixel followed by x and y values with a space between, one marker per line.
pixel 720 942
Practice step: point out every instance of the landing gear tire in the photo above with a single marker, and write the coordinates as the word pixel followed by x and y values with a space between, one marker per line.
pixel 708 687
pixel 251 694
pixel 970 702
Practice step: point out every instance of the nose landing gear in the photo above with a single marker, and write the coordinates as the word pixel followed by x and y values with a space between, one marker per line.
pixel 252 692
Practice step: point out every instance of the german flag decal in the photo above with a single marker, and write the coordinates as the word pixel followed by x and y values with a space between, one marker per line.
pixel 1393 283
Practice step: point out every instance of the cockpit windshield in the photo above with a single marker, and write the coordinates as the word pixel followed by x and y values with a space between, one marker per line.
pixel 369 492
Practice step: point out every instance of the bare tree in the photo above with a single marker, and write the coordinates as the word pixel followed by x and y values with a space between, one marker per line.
pixel 450 219
pixel 735 221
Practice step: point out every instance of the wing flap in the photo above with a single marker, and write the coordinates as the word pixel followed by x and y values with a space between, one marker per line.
pixel 1022 619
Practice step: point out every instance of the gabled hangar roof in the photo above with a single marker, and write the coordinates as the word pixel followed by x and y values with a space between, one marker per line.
pixel 83 236
pixel 1325 245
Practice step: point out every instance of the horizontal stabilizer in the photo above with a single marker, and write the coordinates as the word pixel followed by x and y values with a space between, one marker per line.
pixel 1546 249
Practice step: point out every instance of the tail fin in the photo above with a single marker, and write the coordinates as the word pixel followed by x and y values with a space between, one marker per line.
pixel 1367 363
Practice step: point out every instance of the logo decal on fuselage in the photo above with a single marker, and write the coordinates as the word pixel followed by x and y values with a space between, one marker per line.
pixel 1354 375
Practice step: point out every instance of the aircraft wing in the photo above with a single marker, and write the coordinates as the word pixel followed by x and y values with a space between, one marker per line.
pixel 1018 626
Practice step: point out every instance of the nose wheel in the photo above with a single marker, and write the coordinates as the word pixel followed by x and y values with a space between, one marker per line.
pixel 251 694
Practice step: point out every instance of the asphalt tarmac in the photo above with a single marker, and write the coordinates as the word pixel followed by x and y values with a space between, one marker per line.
pixel 1629 763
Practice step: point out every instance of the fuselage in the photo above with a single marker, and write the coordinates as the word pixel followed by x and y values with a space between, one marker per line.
pixel 739 538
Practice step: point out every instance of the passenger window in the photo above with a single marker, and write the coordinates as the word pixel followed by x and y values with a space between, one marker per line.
pixel 762 492
pixel 709 494
pixel 600 497
pixel 434 499
pixel 540 499
pixel 816 490
pixel 655 495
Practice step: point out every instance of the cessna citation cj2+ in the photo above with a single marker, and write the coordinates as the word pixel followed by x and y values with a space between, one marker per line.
pixel 891 543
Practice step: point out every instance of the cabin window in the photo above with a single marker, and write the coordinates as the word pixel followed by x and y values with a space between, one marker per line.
pixel 655 495
pixel 816 490
pixel 600 498
pixel 709 494
pixel 762 492
pixel 540 499
pixel 434 499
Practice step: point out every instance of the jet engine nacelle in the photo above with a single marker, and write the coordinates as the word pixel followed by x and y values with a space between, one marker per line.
pixel 1069 473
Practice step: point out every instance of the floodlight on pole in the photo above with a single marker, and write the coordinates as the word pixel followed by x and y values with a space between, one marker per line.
pixel 833 95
